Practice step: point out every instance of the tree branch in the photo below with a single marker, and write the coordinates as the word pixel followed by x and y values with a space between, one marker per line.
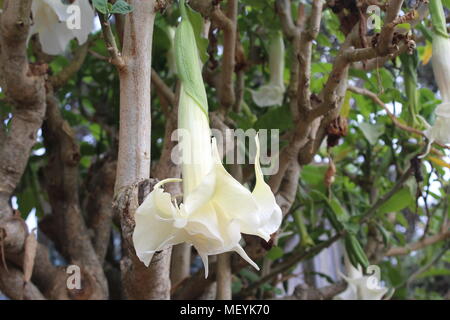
pixel 72 68
pixel 61 180
pixel 13 285
pixel 133 163
pixel 394 119
pixel 226 93
pixel 24 87
pixel 308 34
pixel 425 242
pixel 110 41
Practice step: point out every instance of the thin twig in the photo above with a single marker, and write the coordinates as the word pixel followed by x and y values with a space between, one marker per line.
pixel 110 41
pixel 394 119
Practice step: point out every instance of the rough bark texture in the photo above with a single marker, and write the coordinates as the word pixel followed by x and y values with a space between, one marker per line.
pixel 100 187
pixel 62 184
pixel 24 87
pixel 134 149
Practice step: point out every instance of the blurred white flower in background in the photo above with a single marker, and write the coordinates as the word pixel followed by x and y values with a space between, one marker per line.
pixel 359 286
pixel 440 131
pixel 272 93
pixel 50 21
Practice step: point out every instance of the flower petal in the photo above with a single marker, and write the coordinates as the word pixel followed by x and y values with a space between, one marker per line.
pixel 443 110
pixel 154 229
pixel 87 21
pixel 55 38
pixel 372 294
pixel 441 65
pixel 351 293
pixel 201 194
pixel 268 95
pixel 232 199
pixel 269 211
pixel 59 8
pixel 204 227
pixel 440 131
pixel 239 250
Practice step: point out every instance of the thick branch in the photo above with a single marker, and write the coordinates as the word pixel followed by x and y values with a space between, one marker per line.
pixel 100 189
pixel 283 8
pixel 12 284
pixel 133 163
pixel 24 87
pixel 61 180
pixel 163 89
pixel 72 68
pixel 308 34
pixel 387 33
pixel 226 92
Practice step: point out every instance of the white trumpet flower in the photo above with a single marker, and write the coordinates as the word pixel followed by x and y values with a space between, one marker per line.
pixel 50 22
pixel 440 131
pixel 360 287
pixel 216 208
pixel 441 65
pixel 272 93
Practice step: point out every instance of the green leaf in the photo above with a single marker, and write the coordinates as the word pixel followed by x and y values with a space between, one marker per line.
pixel 121 7
pixel 384 233
pixel 236 285
pixel 275 118
pixel 434 272
pixel 406 26
pixel 249 275
pixel 313 176
pixel 340 212
pixel 275 253
pixel 372 132
pixel 397 202
pixel 101 6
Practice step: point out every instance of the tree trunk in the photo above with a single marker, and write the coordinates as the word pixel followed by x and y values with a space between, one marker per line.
pixel 133 163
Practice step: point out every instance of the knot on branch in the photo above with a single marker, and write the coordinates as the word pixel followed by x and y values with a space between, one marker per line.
pixel 127 200
pixel 86 288
pixel 37 69
pixel 161 5
pixel 336 129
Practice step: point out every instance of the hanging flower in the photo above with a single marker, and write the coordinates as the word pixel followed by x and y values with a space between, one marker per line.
pixel 216 208
pixel 49 21
pixel 272 93
pixel 441 65
pixel 440 131
pixel 360 287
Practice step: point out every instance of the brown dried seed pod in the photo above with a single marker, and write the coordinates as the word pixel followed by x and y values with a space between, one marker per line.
pixel 336 129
